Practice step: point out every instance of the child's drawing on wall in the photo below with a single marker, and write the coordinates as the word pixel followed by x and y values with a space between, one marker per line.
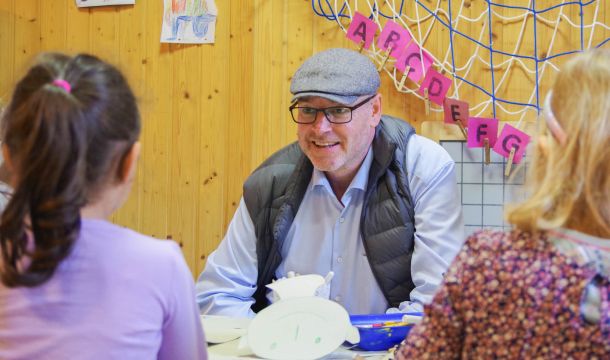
pixel 189 21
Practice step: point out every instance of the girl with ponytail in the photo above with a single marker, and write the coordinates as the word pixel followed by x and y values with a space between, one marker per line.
pixel 73 285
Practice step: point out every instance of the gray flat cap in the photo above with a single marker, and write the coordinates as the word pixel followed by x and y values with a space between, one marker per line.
pixel 339 75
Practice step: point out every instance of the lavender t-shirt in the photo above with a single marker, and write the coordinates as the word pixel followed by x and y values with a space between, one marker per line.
pixel 119 295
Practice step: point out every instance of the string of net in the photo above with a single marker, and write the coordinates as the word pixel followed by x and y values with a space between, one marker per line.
pixel 425 16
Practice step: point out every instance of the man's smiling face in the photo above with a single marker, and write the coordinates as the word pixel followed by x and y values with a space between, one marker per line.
pixel 338 149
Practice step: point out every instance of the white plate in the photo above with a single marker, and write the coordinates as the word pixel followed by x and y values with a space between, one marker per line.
pixel 299 328
pixel 220 329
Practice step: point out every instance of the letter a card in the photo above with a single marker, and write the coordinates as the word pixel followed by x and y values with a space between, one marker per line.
pixel 362 29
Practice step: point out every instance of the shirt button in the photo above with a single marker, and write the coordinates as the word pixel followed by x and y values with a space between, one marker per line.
pixel 337 298
pixel 342 220
pixel 339 259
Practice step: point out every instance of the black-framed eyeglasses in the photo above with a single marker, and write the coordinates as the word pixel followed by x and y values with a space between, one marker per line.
pixel 334 114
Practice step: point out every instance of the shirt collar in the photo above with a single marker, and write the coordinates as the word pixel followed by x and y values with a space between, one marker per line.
pixel 359 181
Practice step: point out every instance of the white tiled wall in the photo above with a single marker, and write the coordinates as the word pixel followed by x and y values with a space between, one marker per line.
pixel 483 187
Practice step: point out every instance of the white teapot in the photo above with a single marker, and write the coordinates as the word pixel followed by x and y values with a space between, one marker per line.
pixel 300 285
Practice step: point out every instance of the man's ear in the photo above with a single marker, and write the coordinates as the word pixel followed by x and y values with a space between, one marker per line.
pixel 129 162
pixel 376 110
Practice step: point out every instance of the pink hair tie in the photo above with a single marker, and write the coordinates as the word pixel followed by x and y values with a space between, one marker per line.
pixel 63 84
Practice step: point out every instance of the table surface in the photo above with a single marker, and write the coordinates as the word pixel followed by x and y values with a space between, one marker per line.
pixel 230 351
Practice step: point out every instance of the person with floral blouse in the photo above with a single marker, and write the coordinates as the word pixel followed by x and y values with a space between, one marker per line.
pixel 540 291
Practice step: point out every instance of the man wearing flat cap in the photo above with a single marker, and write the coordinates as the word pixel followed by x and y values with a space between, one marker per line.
pixel 359 195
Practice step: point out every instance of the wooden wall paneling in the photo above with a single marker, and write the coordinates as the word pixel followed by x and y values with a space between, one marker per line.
pixel 588 16
pixel 104 30
pixel 185 153
pixel 438 38
pixel 7 43
pixel 286 130
pixel 395 102
pixel 268 79
pixel 504 39
pixel 53 28
pixel 327 33
pixel 78 26
pixel 215 122
pixel 242 93
pixel 461 51
pixel 514 81
pixel 299 31
pixel 546 74
pixel 464 49
pixel 132 22
pixel 477 73
pixel 600 33
pixel 156 106
pixel 299 41
pixel 27 35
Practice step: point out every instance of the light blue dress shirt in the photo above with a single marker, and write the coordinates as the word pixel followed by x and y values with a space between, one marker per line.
pixel 325 236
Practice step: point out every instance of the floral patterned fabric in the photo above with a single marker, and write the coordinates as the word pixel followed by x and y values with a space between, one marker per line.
pixel 512 296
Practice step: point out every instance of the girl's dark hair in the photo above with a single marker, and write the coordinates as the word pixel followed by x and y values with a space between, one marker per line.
pixel 65 145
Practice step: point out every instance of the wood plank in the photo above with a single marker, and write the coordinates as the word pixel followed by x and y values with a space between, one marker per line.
pixel 27 35
pixel 78 30
pixel 239 136
pixel 156 106
pixel 185 154
pixel 268 79
pixel 217 133
pixel 299 43
pixel 103 33
pixel 7 59
pixel 53 27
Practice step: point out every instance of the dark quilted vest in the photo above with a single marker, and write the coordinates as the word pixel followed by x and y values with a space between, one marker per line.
pixel 274 191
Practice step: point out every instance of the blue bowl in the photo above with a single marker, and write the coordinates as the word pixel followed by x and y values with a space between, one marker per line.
pixel 380 337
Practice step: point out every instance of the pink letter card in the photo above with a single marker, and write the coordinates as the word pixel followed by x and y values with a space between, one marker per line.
pixel 437 86
pixel 394 36
pixel 411 57
pixel 511 137
pixel 362 29
pixel 480 129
